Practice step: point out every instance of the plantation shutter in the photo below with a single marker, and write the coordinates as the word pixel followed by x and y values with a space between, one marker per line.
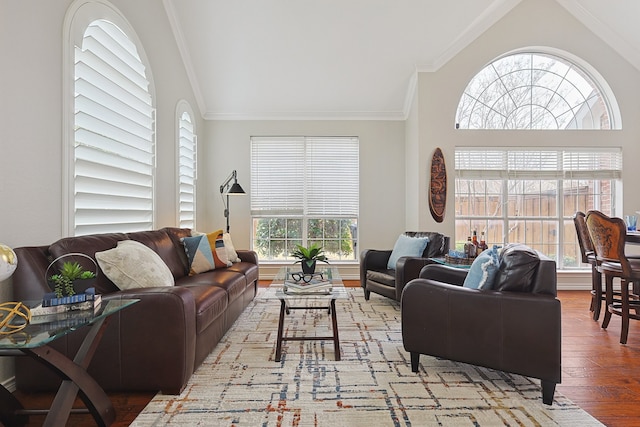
pixel 187 171
pixel 114 135
pixel 297 176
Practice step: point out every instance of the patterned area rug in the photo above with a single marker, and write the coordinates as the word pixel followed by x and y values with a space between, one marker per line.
pixel 241 384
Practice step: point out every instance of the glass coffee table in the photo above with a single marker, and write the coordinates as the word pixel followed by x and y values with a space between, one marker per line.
pixel 324 299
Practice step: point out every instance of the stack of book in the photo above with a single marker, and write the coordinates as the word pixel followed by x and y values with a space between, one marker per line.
pixel 313 286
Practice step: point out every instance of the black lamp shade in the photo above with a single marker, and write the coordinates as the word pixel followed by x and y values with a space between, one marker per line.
pixel 235 189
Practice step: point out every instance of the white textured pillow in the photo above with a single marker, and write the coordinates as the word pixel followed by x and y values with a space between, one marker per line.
pixel 133 265
pixel 231 250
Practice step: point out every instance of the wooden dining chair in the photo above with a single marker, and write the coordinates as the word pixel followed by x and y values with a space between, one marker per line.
pixel 589 257
pixel 609 237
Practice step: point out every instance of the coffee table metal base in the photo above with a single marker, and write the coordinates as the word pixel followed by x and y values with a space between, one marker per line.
pixel 334 322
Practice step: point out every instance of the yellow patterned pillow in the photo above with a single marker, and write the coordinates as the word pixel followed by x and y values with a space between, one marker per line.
pixel 220 256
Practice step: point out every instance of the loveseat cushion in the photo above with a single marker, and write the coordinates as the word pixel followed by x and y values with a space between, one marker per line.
pixel 518 265
pixel 386 277
pixel 483 271
pixel 407 246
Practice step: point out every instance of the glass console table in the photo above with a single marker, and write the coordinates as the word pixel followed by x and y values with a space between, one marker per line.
pixel 34 340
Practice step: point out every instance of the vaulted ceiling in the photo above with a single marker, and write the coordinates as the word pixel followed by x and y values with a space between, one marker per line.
pixel 344 59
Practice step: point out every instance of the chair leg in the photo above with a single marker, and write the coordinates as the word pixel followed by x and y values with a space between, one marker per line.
pixel 608 300
pixel 624 332
pixel 548 390
pixel 367 294
pixel 415 360
pixel 596 297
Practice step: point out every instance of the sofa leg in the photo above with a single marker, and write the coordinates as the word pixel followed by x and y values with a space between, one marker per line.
pixel 548 390
pixel 367 294
pixel 415 360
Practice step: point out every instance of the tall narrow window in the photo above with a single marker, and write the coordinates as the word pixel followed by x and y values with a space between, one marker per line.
pixel 113 156
pixel 304 191
pixel 187 168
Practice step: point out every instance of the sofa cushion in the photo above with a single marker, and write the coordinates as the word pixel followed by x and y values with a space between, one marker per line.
pixel 89 245
pixel 132 265
pixel 199 254
pixel 518 265
pixel 231 250
pixel 483 271
pixel 386 277
pixel 407 246
pixel 211 303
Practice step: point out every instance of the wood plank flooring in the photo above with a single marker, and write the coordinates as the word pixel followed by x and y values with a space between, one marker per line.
pixel 598 372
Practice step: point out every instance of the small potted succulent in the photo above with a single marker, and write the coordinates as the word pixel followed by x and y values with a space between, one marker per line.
pixel 307 257
pixel 69 274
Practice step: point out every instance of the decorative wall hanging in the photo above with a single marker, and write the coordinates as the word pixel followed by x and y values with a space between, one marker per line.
pixel 438 186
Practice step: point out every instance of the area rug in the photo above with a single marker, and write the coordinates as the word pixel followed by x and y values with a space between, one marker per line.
pixel 240 384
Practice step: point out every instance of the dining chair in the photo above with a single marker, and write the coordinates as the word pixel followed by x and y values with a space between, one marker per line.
pixel 608 235
pixel 589 257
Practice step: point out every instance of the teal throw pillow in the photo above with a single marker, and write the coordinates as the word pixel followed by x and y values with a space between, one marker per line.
pixel 199 254
pixel 407 246
pixel 484 270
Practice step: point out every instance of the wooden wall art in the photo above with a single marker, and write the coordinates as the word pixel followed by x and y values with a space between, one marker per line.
pixel 438 186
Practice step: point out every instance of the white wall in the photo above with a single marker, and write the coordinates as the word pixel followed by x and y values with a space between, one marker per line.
pixel 531 23
pixel 382 178
pixel 31 118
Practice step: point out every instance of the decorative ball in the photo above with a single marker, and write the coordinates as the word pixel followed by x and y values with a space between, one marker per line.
pixel 8 262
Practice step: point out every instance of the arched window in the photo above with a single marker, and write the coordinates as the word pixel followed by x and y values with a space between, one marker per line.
pixel 111 140
pixel 532 90
pixel 187 166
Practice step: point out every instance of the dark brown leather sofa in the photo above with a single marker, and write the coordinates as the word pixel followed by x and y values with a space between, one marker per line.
pixel 518 332
pixel 157 343
pixel 376 277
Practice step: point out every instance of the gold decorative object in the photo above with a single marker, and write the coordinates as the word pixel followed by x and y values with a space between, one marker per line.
pixel 8 262
pixel 9 312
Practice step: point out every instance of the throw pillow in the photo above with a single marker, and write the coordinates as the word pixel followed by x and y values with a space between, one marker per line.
pixel 198 253
pixel 231 250
pixel 133 265
pixel 483 271
pixel 216 242
pixel 518 266
pixel 407 246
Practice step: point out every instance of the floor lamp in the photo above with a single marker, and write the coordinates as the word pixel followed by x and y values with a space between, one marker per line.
pixel 230 189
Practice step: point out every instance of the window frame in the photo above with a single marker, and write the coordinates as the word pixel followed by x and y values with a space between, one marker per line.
pixel 182 108
pixel 79 15
pixel 289 195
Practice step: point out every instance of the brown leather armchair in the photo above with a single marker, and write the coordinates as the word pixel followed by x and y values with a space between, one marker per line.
pixel 517 332
pixel 376 277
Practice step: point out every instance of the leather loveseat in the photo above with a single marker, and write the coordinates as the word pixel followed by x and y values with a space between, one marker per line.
pixel 157 343
pixel 375 276
pixel 514 326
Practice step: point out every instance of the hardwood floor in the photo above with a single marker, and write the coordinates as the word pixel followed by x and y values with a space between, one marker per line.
pixel 598 372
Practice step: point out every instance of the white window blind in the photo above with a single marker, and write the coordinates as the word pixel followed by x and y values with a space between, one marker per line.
pixel 187 171
pixel 114 154
pixel 316 177
pixel 522 163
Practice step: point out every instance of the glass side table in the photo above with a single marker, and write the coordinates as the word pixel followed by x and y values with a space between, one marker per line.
pixel 34 340
pixel 306 301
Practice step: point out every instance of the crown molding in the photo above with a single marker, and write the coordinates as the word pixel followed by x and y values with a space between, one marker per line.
pixel 184 53
pixel 308 115
pixel 603 31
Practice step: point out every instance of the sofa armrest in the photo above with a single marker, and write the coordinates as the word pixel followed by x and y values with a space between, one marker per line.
pixel 510 331
pixel 248 256
pixel 407 269
pixel 444 273
pixel 372 259
pixel 162 327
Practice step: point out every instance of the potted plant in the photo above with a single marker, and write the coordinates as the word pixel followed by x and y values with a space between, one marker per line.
pixel 307 257
pixel 69 273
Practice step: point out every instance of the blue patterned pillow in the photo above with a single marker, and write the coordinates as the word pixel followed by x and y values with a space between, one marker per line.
pixel 407 246
pixel 199 254
pixel 483 271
